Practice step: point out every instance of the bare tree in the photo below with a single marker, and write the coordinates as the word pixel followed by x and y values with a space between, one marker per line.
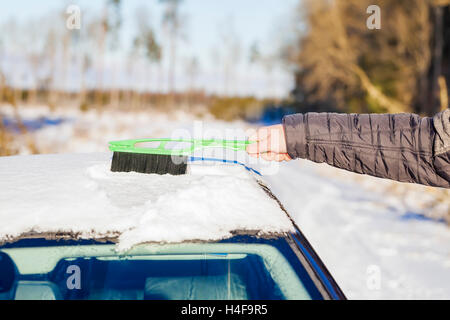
pixel 192 70
pixel 231 53
pixel 106 28
pixel 133 60
pixel 145 42
pixel 173 22
pixel 216 60
pixel 50 52
pixel 86 64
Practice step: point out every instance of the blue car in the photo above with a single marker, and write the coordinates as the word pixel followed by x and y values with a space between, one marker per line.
pixel 64 265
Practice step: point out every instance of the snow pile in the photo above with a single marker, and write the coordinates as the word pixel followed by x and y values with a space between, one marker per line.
pixel 78 194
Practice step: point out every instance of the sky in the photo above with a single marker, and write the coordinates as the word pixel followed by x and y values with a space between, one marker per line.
pixel 253 21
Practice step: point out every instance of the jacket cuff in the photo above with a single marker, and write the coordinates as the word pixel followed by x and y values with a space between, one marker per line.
pixel 441 123
pixel 295 135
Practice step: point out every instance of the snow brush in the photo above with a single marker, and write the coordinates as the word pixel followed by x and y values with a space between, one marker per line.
pixel 159 159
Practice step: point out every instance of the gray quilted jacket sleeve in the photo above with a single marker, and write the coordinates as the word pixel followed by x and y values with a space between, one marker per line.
pixel 401 147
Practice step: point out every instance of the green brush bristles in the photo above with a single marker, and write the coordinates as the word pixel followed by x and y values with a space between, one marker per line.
pixel 148 163
pixel 161 159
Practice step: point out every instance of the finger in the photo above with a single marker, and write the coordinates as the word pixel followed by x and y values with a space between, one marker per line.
pixel 260 134
pixel 252 148
pixel 258 147
pixel 268 156
pixel 279 157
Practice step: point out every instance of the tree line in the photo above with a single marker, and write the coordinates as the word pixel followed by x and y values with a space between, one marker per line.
pixel 342 65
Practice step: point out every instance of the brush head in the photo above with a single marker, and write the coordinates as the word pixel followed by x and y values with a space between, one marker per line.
pixel 148 163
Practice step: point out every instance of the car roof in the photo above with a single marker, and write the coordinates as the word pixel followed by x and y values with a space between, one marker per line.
pixel 75 196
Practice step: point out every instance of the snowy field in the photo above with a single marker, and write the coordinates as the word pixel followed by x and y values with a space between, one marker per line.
pixel 371 243
pixel 376 237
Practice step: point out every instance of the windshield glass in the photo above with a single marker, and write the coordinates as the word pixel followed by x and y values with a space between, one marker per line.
pixel 250 269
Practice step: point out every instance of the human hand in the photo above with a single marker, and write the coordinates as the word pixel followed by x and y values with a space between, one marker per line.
pixel 270 144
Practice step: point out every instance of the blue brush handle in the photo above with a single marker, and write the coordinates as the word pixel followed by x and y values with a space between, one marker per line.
pixel 193 159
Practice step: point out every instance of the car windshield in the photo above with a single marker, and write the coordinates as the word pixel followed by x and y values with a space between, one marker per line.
pixel 238 268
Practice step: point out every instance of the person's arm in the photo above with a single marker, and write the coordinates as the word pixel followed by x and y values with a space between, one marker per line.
pixel 401 147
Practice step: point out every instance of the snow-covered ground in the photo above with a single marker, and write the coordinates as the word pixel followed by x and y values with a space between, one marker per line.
pixel 91 131
pixel 370 233
pixel 371 244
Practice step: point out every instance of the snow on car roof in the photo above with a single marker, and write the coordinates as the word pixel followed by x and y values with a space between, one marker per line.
pixel 77 194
